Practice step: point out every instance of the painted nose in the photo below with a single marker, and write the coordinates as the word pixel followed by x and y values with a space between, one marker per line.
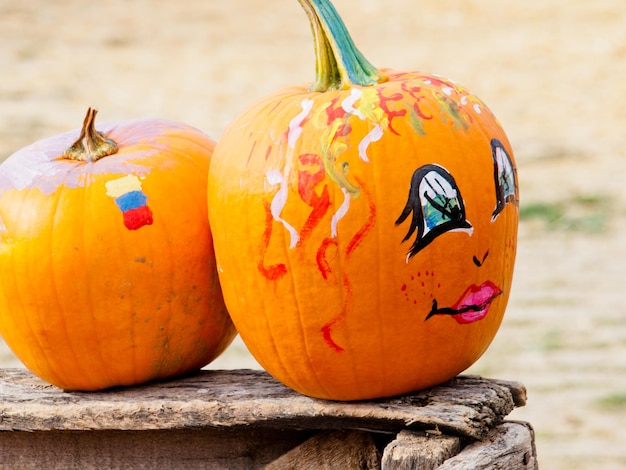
pixel 479 262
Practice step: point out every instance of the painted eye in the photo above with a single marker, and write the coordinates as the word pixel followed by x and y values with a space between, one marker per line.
pixel 505 178
pixel 437 207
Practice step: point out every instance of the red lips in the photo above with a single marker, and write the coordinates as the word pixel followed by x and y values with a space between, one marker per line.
pixel 474 304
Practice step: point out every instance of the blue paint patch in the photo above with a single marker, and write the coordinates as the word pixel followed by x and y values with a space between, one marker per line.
pixel 131 200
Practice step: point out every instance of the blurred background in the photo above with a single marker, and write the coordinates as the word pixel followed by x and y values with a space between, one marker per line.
pixel 554 72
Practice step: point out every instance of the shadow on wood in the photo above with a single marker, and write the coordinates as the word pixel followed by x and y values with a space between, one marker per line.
pixel 331 450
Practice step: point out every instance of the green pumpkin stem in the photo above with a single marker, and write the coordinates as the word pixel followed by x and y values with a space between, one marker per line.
pixel 339 64
pixel 91 145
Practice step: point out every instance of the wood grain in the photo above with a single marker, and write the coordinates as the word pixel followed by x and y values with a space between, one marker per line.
pixel 466 406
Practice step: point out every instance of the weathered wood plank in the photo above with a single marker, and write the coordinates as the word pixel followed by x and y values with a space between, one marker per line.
pixel 508 446
pixel 412 450
pixel 517 389
pixel 331 450
pixel 241 449
pixel 466 406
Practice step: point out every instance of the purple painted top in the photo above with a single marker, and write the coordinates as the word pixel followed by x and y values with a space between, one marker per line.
pixel 39 165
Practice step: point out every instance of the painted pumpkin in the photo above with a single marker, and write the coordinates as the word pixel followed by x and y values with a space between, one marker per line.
pixel 365 226
pixel 106 258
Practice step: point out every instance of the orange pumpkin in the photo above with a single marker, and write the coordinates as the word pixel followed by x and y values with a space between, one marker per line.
pixel 106 258
pixel 365 226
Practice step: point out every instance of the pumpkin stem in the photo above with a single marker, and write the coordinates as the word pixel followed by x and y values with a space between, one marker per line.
pixel 339 64
pixel 91 145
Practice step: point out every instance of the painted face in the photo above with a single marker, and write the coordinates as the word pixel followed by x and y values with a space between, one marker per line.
pixel 436 206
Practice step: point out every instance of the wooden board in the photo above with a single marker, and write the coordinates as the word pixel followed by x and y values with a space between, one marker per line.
pixel 331 450
pixel 510 446
pixel 418 450
pixel 244 419
pixel 242 449
pixel 466 406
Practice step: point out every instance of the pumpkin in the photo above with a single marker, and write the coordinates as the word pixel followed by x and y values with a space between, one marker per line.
pixel 106 257
pixel 365 225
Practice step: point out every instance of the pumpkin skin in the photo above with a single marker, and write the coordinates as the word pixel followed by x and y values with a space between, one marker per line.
pixel 365 235
pixel 108 270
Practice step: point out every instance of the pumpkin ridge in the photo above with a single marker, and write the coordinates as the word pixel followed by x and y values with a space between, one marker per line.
pixel 293 378
pixel 271 335
pixel 92 308
pixel 340 318
pixel 40 343
pixel 59 196
pixel 34 359
pixel 130 303
pixel 168 301
pixel 381 365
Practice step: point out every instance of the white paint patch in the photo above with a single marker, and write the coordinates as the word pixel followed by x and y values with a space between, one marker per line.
pixel 24 171
pixel 348 103
pixel 120 186
pixel 295 126
pixel 468 230
pixel 341 212
pixel 278 204
pixel 273 177
pixel 372 136
pixel 39 166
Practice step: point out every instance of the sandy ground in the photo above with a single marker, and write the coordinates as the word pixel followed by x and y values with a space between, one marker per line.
pixel 554 72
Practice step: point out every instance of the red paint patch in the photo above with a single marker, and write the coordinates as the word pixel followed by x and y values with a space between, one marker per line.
pixel 308 179
pixel 273 272
pixel 389 113
pixel 322 262
pixel 320 206
pixel 252 152
pixel 335 112
pixel 326 333
pixel 137 218
pixel 367 226
pixel 327 328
